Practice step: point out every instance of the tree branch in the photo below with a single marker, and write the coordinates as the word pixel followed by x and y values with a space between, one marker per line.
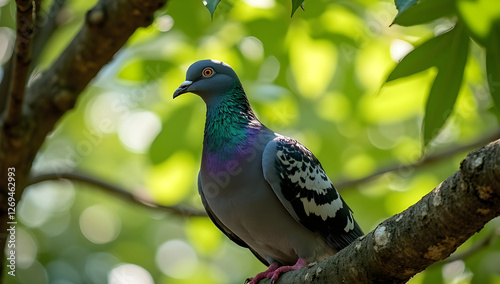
pixel 45 25
pixel 116 191
pixel 425 161
pixel 423 234
pixel 107 27
pixel 21 61
pixel 5 84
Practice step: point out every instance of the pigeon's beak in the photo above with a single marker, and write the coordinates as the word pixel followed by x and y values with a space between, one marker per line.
pixel 183 88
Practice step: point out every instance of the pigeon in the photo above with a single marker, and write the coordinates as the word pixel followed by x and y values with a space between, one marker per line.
pixel 265 191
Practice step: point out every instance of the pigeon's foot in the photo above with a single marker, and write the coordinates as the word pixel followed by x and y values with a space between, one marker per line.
pixel 265 274
pixel 301 262
pixel 273 272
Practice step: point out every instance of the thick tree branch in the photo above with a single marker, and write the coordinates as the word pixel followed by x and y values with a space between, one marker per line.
pixel 45 24
pixel 25 17
pixel 117 191
pixel 107 27
pixel 425 233
pixel 5 84
pixel 425 161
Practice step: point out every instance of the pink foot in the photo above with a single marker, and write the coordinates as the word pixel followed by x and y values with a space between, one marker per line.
pixel 265 274
pixel 273 272
pixel 301 262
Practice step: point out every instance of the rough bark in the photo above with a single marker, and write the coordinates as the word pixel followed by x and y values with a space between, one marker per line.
pixel 107 27
pixel 429 231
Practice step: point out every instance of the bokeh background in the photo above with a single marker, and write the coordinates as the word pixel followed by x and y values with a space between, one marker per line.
pixel 317 76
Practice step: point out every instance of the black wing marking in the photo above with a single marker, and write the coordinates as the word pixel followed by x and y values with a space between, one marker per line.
pixel 301 184
pixel 233 237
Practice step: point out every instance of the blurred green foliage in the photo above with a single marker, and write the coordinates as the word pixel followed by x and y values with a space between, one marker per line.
pixel 448 52
pixel 318 77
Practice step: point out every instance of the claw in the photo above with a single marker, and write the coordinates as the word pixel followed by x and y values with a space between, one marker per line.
pixel 274 271
pixel 263 275
pixel 301 262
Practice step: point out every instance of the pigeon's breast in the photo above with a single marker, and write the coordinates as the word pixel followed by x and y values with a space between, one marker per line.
pixel 228 167
pixel 243 200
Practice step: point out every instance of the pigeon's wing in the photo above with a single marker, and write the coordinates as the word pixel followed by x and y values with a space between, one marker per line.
pixel 233 237
pixel 299 181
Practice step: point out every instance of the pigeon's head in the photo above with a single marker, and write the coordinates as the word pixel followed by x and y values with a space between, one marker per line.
pixel 208 79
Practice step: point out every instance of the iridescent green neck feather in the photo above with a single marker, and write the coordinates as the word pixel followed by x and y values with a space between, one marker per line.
pixel 230 125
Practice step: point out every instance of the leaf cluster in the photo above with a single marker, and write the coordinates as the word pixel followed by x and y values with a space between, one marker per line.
pixel 448 53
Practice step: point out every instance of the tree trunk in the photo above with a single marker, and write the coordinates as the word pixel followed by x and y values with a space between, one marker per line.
pixel 107 27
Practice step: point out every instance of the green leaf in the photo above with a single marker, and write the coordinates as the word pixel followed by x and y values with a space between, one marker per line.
pixel 479 16
pixel 444 90
pixel 424 11
pixel 211 6
pixel 493 65
pixel 421 58
pixel 296 4
pixel 403 5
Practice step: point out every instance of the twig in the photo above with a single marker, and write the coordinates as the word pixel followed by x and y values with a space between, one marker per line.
pixel 45 24
pixel 425 161
pixel 21 60
pixel 37 7
pixel 117 191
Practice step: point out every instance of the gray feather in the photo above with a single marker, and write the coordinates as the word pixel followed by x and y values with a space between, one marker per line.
pixel 222 227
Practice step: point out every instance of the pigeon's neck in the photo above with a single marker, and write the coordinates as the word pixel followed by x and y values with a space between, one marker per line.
pixel 231 127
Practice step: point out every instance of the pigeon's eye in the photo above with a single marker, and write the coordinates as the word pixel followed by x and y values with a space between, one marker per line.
pixel 207 72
